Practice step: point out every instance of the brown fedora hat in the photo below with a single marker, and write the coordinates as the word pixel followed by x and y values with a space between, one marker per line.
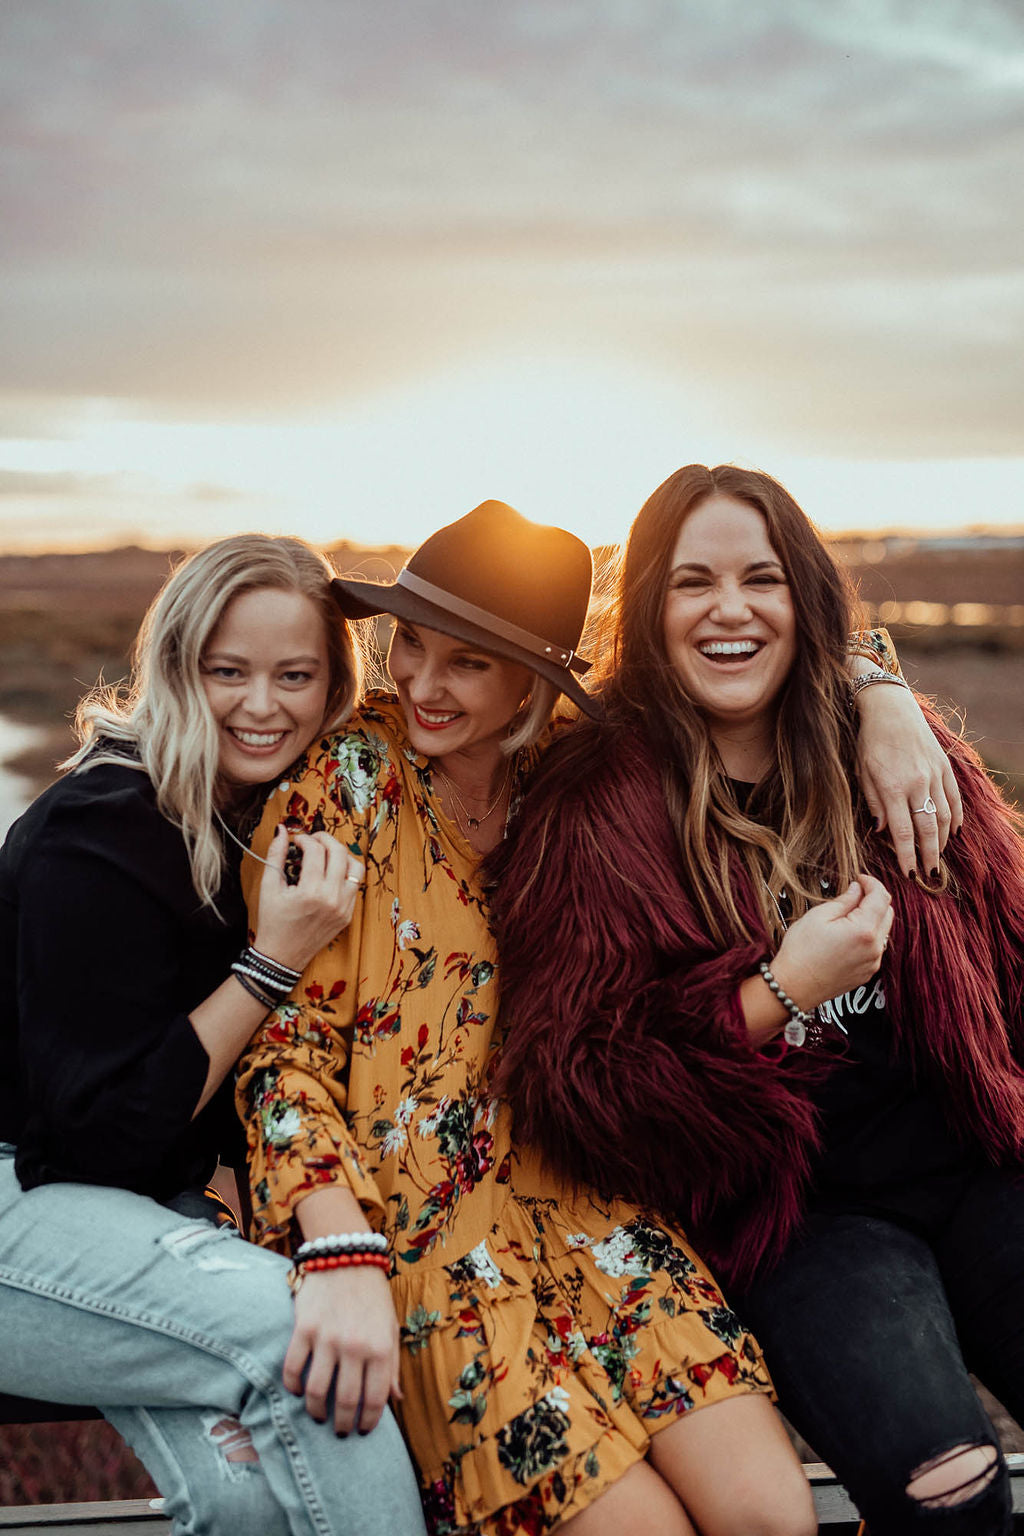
pixel 494 579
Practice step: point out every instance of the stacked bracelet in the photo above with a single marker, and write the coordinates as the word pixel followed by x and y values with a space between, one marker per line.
pixel 255 991
pixel 269 978
pixel 803 1027
pixel 340 1250
pixel 867 678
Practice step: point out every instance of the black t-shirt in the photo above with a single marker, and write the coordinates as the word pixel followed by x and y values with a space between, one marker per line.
pixel 104 950
pixel 886 1142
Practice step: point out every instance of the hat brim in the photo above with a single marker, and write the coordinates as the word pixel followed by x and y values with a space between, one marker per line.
pixel 367 599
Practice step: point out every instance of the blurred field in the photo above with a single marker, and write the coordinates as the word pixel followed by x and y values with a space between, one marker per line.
pixel 956 613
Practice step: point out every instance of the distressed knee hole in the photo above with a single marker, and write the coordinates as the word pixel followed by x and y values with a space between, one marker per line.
pixel 233 1440
pixel 955 1476
pixel 207 1247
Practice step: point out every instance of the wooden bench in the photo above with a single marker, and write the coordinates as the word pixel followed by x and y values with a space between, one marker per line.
pixel 144 1517
pixel 116 1517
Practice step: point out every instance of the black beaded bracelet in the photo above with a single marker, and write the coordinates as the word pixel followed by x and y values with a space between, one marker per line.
pixel 803 1027
pixel 254 991
pixel 270 975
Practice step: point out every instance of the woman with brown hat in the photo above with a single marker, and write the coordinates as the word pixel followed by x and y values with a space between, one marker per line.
pixel 546 1347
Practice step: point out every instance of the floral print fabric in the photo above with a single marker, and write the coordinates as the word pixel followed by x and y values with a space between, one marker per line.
pixel 544 1338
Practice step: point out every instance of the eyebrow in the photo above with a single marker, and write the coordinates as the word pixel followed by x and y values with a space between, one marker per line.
pixel 460 647
pixel 705 570
pixel 285 661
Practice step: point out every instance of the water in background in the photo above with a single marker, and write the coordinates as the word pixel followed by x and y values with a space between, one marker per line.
pixel 15 789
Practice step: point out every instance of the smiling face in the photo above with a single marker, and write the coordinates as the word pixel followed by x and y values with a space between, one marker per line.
pixel 728 619
pixel 266 676
pixel 456 699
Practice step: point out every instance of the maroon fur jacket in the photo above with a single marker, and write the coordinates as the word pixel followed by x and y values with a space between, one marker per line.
pixel 626 1058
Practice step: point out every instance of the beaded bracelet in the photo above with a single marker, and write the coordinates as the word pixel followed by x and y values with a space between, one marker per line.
pixel 255 991
pixel 803 1027
pixel 342 1242
pixel 302 1267
pixel 270 975
pixel 346 1261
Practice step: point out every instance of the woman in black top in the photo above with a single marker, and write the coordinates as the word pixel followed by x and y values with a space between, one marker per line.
pixel 125 997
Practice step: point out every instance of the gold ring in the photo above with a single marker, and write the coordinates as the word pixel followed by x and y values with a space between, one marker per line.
pixel 353 879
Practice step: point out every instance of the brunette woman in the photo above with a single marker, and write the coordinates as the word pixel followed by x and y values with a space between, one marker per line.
pixel 128 992
pixel 748 1015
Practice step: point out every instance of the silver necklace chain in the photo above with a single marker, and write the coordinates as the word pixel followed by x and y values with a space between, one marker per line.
pixel 238 841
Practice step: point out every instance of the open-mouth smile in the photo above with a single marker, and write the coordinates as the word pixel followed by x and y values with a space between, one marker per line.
pixel 435 719
pixel 730 650
pixel 257 740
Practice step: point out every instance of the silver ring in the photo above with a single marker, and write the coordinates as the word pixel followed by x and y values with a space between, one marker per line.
pixel 928 809
pixel 353 880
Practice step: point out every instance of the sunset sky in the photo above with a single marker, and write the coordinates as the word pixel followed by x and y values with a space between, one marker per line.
pixel 348 267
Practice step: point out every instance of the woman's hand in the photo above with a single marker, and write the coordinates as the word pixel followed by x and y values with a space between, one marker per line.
pixel 902 771
pixel 296 921
pixel 346 1336
pixel 836 946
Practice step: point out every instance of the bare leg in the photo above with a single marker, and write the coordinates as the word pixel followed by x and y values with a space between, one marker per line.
pixel 733 1468
pixel 637 1504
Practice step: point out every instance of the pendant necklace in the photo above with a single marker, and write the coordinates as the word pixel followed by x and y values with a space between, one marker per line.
pixel 474 822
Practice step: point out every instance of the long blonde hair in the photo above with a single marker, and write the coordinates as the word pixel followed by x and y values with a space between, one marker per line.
pixel 162 720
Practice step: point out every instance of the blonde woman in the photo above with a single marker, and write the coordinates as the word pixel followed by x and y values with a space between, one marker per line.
pixel 128 992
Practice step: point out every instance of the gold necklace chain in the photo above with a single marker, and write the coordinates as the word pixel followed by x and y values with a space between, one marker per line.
pixel 473 822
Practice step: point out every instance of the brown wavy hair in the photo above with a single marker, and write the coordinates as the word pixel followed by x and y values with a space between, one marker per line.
pixel 805 824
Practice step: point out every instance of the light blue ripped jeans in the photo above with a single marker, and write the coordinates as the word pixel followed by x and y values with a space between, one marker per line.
pixel 177 1330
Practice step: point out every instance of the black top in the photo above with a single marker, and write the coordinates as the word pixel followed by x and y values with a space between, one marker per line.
pixel 886 1144
pixel 104 949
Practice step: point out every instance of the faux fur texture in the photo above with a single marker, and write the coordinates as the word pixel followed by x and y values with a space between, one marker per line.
pixel 626 1057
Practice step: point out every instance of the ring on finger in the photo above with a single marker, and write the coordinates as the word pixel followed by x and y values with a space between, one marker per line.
pixel 928 809
pixel 353 879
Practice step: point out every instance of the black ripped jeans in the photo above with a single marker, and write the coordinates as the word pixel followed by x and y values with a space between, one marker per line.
pixel 870 1328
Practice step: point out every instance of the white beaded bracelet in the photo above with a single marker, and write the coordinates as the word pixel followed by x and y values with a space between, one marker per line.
pixel 343 1242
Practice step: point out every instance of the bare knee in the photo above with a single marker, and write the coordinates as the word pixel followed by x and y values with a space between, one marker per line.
pixel 955 1476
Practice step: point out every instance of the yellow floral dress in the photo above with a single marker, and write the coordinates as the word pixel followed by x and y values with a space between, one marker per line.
pixel 545 1337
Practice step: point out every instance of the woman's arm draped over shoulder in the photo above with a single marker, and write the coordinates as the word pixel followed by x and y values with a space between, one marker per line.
pixel 292 1082
pixel 626 1056
pixel 976 931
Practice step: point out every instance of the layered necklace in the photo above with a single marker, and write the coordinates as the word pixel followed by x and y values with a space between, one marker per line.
pixel 474 822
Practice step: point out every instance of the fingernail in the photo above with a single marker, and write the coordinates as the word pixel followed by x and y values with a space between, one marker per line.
pixel 877 824
pixel 341 1434
pixel 279 829
pixel 934 874
pixel 911 873
pixel 364 1432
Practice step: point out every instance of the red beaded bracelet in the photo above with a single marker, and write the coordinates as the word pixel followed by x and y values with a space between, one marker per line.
pixel 299 1270
pixel 345 1260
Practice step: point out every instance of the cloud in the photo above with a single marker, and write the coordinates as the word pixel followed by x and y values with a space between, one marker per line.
pixel 810 211
pixel 22 483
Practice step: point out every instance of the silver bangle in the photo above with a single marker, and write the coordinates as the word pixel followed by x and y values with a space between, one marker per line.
pixel 802 1027
pixel 867 678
